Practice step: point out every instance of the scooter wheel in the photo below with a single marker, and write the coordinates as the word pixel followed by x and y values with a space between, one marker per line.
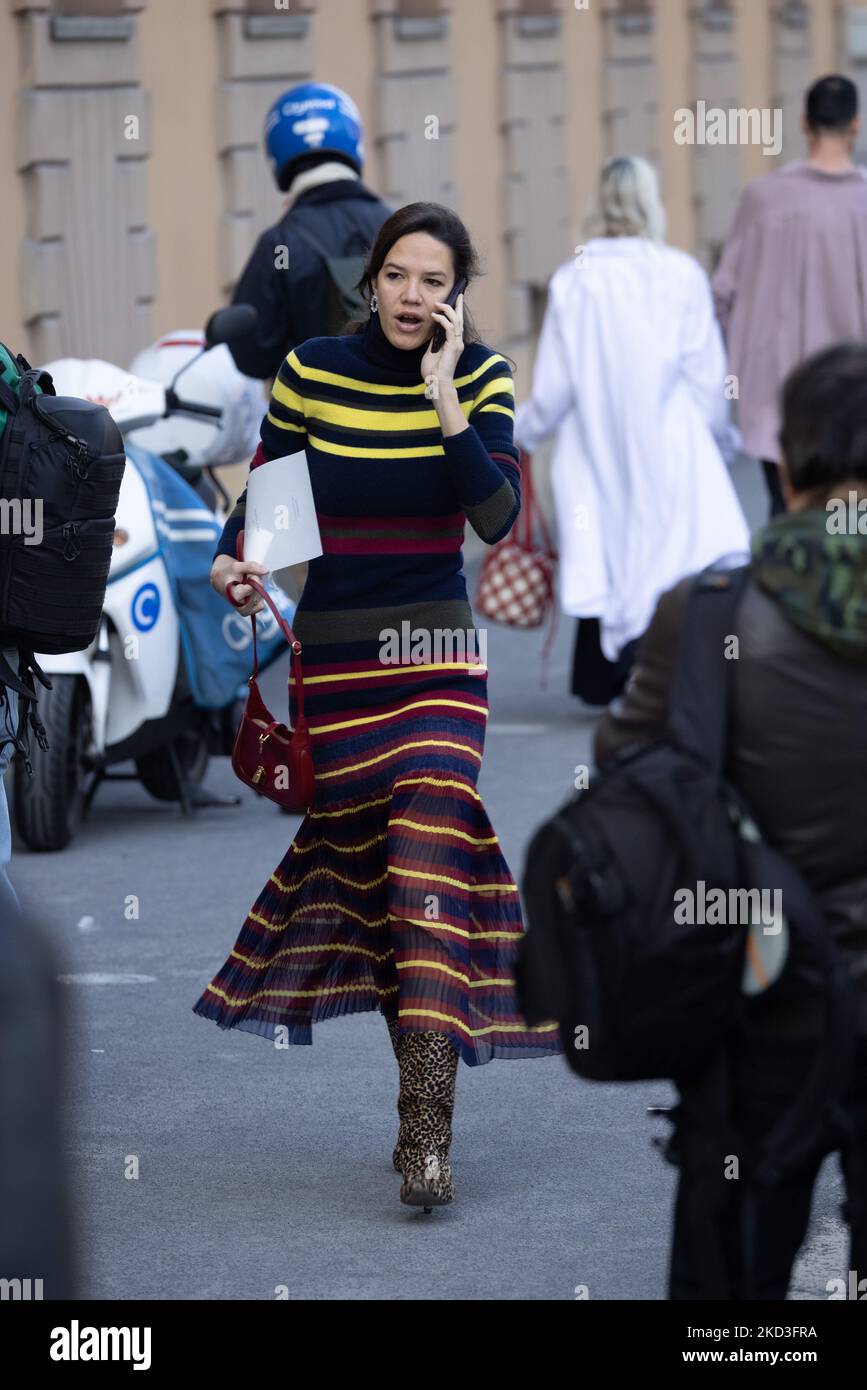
pixel 157 775
pixel 48 804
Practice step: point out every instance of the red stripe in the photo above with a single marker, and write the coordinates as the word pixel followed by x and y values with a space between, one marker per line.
pixel 380 545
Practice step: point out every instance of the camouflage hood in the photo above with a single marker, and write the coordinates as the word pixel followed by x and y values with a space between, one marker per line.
pixel 818 578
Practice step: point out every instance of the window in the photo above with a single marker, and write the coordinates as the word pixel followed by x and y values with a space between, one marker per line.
pixel 716 14
pixel 634 16
pixel 794 13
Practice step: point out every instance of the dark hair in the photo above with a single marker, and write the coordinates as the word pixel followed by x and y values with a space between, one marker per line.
pixel 442 224
pixel 824 430
pixel 832 103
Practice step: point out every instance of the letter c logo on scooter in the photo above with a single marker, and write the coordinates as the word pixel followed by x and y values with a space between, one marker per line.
pixel 146 607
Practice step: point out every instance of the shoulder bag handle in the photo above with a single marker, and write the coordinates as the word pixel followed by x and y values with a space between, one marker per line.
pixel 531 511
pixel 294 644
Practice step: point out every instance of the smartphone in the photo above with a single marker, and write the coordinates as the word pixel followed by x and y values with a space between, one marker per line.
pixel 438 338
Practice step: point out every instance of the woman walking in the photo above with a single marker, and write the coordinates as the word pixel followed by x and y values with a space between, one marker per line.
pixel 394 895
pixel 630 372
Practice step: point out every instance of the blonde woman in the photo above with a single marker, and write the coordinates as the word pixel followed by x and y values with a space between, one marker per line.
pixel 630 374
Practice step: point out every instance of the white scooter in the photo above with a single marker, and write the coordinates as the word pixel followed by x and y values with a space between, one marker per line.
pixel 142 691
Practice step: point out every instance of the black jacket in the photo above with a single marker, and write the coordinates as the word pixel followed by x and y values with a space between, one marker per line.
pixel 797 753
pixel 292 303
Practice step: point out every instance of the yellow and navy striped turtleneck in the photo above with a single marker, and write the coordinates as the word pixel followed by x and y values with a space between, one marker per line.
pixel 391 493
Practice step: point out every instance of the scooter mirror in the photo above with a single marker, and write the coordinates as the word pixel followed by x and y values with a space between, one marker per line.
pixel 226 325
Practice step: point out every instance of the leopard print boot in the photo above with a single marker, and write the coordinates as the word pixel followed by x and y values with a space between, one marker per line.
pixel 428 1068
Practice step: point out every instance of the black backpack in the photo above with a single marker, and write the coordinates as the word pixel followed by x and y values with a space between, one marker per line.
pixel 604 951
pixel 61 465
pixel 345 302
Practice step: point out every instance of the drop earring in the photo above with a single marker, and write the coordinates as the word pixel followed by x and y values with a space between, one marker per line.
pixel 374 303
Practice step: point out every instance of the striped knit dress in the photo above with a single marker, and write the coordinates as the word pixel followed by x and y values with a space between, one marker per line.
pixel 394 895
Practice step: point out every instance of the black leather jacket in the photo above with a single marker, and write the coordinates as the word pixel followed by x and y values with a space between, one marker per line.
pixel 798 754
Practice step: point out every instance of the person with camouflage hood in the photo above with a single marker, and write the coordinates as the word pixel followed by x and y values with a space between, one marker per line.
pixel 798 755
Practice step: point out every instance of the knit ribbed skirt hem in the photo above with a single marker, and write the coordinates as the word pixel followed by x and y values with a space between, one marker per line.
pixel 394 895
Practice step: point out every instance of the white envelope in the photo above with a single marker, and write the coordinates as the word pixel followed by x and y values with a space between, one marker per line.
pixel 280 526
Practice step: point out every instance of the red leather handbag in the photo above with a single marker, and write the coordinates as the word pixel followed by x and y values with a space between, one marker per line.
pixel 274 760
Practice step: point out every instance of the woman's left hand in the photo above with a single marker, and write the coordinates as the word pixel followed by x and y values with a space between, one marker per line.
pixel 441 365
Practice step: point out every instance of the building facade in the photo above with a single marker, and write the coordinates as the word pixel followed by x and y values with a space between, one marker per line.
pixel 131 154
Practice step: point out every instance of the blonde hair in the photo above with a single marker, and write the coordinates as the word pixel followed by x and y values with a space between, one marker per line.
pixel 628 201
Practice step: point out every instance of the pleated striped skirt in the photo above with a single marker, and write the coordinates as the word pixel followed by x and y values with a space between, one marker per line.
pixel 394 895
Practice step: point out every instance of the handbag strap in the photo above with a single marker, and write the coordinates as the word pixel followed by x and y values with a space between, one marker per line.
pixel 531 512
pixel 534 515
pixel 525 536
pixel 294 644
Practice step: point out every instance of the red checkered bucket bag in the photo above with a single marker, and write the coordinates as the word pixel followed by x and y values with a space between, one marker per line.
pixel 516 582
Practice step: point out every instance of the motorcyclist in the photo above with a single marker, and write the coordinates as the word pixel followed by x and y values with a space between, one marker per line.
pixel 314 141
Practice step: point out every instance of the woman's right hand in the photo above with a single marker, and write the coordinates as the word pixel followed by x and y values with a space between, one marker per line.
pixel 225 571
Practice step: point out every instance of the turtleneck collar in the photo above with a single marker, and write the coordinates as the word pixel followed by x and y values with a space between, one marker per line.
pixel 378 348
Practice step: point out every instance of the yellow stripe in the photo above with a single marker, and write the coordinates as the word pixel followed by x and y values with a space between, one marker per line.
pixel 436 782
pixel 498 386
pixel 394 714
pixel 501 409
pixel 375 389
pixel 455 882
pixel 458 974
pixel 299 993
pixel 326 946
pixel 391 916
pixel 329 873
pixel 284 424
pixel 434 965
pixel 444 830
pixel 287 396
pixel 401 748
pixel 332 844
pixel 473 1032
pixel 349 810
pixel 381 421
pixel 314 907
pixel 459 931
pixel 387 670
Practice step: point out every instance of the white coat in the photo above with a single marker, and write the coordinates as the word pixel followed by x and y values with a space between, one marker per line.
pixel 631 373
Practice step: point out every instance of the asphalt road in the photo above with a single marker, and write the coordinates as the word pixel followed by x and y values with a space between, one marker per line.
pixel 263 1173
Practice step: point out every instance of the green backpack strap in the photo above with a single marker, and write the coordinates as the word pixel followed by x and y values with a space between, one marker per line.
pixel 10 375
pixel 18 382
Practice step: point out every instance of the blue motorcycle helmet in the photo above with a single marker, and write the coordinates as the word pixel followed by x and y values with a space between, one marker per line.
pixel 311 119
